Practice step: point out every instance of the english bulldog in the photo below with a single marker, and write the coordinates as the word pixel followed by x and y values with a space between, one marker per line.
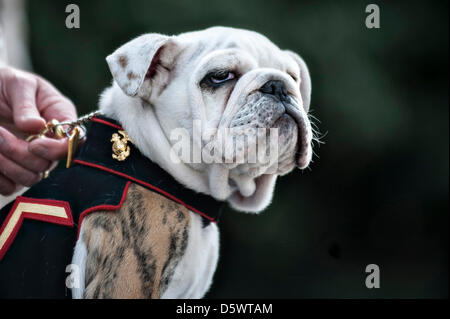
pixel 220 78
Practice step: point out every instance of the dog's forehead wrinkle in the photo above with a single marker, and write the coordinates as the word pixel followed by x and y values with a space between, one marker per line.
pixel 194 52
pixel 291 65
pixel 264 51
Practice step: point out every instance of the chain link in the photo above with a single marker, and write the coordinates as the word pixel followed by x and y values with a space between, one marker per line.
pixel 83 119
pixel 52 126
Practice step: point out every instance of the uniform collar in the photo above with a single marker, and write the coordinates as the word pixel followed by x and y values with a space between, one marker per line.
pixel 97 152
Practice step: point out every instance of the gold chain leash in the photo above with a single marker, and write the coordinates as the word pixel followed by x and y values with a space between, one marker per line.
pixel 72 130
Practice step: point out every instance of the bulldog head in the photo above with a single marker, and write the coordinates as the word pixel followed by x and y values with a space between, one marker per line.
pixel 232 83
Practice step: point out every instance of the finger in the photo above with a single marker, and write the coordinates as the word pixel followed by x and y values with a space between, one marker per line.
pixel 22 97
pixel 52 104
pixel 7 187
pixel 17 173
pixel 49 148
pixel 17 151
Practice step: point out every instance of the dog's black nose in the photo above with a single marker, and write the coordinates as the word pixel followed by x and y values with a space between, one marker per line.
pixel 276 88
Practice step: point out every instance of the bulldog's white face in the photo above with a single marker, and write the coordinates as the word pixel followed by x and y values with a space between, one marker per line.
pixel 221 78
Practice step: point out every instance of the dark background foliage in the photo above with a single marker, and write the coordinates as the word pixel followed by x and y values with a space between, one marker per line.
pixel 378 190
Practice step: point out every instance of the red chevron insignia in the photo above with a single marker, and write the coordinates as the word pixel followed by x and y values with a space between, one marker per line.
pixel 47 210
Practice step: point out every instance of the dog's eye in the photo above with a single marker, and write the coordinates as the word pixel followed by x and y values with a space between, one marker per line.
pixel 222 77
pixel 215 79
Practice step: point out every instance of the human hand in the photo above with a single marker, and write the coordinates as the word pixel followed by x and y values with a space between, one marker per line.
pixel 27 102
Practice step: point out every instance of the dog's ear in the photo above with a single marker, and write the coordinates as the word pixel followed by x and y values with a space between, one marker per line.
pixel 305 80
pixel 147 57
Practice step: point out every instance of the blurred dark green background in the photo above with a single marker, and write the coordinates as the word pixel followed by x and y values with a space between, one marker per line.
pixel 378 190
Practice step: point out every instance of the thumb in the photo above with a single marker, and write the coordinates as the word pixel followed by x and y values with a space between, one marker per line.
pixel 49 148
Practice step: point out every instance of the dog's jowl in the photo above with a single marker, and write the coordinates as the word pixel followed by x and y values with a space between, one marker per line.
pixel 135 215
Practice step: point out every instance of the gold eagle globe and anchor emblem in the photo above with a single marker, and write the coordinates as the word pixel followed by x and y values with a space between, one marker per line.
pixel 120 147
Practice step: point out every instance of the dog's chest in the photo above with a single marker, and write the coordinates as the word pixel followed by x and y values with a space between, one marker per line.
pixel 150 247
pixel 193 274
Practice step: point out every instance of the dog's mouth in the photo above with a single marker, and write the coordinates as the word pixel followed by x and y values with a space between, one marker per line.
pixel 302 156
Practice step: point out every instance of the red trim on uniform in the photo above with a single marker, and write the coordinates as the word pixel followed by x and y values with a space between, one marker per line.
pixel 95 119
pixel 145 184
pixel 103 207
pixel 67 221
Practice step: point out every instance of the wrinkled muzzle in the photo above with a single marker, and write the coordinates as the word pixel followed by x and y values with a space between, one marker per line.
pixel 280 130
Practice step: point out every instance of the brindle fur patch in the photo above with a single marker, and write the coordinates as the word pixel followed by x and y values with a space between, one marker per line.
pixel 131 76
pixel 123 61
pixel 133 252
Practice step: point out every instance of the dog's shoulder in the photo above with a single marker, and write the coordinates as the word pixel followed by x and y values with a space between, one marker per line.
pixel 132 251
